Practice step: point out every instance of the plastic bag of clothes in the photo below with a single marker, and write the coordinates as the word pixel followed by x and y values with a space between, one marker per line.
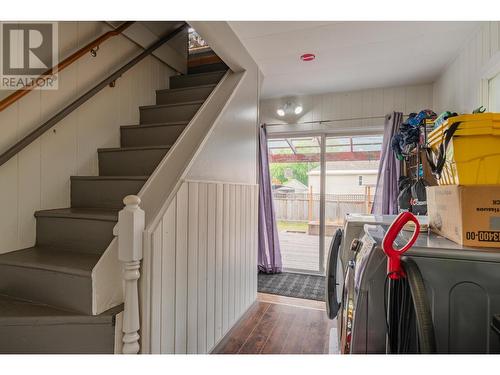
pixel 404 197
pixel 408 136
pixel 412 195
pixel 419 197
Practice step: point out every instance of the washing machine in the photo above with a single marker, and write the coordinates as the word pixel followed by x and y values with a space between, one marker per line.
pixel 462 285
pixel 339 255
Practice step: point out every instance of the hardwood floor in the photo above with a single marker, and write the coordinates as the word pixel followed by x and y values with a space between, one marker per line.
pixel 291 301
pixel 279 325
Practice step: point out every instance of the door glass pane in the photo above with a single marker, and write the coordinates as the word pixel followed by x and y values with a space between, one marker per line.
pixel 295 174
pixel 351 176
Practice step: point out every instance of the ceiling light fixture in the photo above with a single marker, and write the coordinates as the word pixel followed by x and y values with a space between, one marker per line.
pixel 308 57
pixel 289 108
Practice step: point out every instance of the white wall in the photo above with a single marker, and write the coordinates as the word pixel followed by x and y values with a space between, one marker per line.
pixel 39 176
pixel 230 154
pixel 204 248
pixel 338 183
pixel 459 87
pixel 346 108
pixel 200 272
pixel 494 94
pixel 174 53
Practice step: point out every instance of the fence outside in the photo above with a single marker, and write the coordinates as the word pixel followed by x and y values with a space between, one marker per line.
pixel 305 206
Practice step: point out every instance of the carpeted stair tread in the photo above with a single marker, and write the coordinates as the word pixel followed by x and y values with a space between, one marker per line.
pixel 154 106
pixel 47 259
pixel 80 213
pixel 159 124
pixel 211 85
pixel 137 148
pixel 110 178
pixel 15 311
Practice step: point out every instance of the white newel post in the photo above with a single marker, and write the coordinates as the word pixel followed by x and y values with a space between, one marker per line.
pixel 130 233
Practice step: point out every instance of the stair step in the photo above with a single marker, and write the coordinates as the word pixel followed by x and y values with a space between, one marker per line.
pixel 32 328
pixel 184 94
pixel 130 161
pixel 76 229
pixel 103 191
pixel 169 112
pixel 151 134
pixel 205 68
pixel 190 80
pixel 50 276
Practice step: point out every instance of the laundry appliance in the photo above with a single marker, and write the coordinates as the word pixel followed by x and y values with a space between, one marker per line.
pixel 338 256
pixel 462 289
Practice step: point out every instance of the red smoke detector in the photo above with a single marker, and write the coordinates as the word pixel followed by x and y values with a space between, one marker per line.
pixel 308 57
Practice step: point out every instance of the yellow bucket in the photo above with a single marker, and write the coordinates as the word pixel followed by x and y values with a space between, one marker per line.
pixel 472 156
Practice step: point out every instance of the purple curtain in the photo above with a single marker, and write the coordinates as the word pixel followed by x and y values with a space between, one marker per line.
pixel 386 193
pixel 269 260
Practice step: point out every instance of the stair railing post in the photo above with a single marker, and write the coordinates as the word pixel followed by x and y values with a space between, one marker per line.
pixel 130 236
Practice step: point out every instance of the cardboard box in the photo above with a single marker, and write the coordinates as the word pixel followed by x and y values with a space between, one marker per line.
pixel 466 214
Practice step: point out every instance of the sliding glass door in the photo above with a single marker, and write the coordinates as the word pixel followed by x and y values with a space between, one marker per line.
pixel 297 200
pixel 316 180
pixel 351 170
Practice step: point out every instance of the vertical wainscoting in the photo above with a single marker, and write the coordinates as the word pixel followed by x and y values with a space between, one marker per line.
pixel 203 265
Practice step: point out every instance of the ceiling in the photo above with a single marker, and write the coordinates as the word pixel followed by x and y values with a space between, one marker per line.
pixel 349 55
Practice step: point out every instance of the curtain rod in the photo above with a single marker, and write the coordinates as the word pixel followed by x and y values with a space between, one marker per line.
pixel 328 121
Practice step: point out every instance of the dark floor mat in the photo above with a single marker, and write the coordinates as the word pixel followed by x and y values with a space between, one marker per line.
pixel 293 285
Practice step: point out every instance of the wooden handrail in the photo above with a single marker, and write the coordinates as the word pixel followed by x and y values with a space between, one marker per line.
pixel 14 97
pixel 27 140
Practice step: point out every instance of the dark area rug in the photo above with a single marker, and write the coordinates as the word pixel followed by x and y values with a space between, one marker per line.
pixel 293 285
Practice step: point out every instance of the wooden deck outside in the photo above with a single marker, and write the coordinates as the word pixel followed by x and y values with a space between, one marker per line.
pixel 300 251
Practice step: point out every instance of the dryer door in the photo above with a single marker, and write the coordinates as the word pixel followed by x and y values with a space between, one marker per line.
pixel 347 310
pixel 334 285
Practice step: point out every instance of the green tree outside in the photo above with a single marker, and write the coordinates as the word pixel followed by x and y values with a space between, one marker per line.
pixel 298 171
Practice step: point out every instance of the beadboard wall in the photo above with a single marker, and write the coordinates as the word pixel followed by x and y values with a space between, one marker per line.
pixel 360 111
pixel 39 176
pixel 462 86
pixel 204 265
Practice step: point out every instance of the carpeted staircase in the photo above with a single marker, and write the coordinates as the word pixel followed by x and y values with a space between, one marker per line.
pixel 46 290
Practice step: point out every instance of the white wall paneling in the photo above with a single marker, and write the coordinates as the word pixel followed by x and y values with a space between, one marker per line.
pixel 192 272
pixel 168 278
pixel 181 272
pixel 463 85
pixel 351 112
pixel 39 176
pixel 204 249
pixel 211 260
pixel 165 184
pixel 494 94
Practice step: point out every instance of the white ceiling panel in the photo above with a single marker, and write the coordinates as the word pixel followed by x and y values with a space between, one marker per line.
pixel 350 55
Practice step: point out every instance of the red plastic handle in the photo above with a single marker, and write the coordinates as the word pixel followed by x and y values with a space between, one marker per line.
pixel 394 268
